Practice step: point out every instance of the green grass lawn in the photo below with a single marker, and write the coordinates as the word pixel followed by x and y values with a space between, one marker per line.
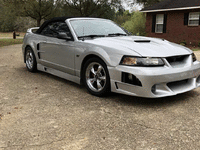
pixel 10 34
pixel 196 49
pixel 6 38
pixel 6 42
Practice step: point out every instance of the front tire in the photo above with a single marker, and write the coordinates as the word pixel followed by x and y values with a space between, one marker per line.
pixel 30 60
pixel 96 77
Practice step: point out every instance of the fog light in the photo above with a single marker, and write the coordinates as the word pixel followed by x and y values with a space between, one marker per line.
pixel 130 79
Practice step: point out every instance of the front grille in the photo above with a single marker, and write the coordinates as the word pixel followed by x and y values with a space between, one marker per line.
pixel 175 83
pixel 181 85
pixel 177 61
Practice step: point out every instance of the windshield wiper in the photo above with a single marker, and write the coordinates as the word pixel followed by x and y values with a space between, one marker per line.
pixel 117 34
pixel 91 36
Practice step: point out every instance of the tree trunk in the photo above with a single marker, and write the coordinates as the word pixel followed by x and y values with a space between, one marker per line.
pixel 38 22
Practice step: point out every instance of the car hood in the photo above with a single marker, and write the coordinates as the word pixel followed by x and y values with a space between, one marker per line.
pixel 142 46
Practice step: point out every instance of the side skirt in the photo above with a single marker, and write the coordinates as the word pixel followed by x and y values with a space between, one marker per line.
pixel 59 73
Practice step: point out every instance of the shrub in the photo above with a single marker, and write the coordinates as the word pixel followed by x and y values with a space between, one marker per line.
pixel 183 43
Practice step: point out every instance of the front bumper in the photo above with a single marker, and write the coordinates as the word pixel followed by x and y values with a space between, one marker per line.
pixel 156 81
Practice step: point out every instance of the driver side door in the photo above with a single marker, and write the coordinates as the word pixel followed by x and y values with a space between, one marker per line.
pixel 57 53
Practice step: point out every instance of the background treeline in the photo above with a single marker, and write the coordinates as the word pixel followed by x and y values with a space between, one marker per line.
pixel 19 15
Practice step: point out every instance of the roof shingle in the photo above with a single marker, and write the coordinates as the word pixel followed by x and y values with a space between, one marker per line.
pixel 172 4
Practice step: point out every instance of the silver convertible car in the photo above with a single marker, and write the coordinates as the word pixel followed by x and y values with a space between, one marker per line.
pixel 105 57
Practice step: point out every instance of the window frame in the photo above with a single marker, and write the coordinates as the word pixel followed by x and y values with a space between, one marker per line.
pixel 193 19
pixel 159 23
pixel 51 23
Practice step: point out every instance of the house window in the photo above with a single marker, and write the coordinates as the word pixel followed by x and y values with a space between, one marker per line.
pixel 193 19
pixel 159 23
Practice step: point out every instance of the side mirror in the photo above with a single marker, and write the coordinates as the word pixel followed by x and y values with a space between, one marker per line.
pixel 63 36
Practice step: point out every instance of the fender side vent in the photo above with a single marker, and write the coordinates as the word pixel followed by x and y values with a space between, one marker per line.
pixel 130 79
pixel 142 41
pixel 38 46
pixel 38 55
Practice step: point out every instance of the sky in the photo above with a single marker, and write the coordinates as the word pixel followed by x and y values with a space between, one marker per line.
pixel 131 8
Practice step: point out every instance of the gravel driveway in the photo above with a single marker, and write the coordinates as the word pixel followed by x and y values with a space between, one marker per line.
pixel 39 111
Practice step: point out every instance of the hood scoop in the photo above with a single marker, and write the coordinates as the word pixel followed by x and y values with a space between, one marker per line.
pixel 142 41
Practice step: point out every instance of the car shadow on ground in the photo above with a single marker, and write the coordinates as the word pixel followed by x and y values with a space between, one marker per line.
pixel 151 102
pixel 126 99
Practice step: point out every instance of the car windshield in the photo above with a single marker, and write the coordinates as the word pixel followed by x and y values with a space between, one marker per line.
pixel 96 28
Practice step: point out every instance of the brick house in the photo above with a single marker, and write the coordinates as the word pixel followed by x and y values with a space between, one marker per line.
pixel 174 20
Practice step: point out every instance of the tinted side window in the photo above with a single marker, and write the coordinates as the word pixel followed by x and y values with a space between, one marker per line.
pixel 54 28
pixel 62 27
pixel 47 31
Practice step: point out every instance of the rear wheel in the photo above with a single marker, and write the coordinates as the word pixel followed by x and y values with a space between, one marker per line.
pixel 96 77
pixel 30 60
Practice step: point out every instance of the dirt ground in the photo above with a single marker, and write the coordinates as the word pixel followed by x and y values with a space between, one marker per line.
pixel 39 111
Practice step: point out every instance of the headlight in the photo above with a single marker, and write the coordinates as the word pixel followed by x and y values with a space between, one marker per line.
pixel 194 58
pixel 141 61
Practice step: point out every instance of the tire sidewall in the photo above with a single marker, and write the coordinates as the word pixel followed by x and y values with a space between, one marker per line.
pixel 34 68
pixel 106 88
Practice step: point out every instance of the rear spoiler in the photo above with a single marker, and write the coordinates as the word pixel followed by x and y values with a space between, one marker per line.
pixel 32 30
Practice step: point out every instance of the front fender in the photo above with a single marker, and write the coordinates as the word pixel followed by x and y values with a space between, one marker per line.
pixel 108 58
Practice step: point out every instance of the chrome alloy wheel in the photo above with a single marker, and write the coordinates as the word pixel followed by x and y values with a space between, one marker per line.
pixel 29 59
pixel 95 77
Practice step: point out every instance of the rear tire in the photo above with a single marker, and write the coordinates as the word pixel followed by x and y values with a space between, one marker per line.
pixel 30 60
pixel 96 77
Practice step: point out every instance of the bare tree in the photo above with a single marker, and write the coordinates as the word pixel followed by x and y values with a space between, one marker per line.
pixel 36 9
pixel 145 3
pixel 94 8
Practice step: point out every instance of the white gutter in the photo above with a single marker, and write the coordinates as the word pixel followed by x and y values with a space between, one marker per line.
pixel 182 8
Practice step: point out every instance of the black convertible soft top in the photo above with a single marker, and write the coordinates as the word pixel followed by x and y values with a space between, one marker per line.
pixel 52 20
